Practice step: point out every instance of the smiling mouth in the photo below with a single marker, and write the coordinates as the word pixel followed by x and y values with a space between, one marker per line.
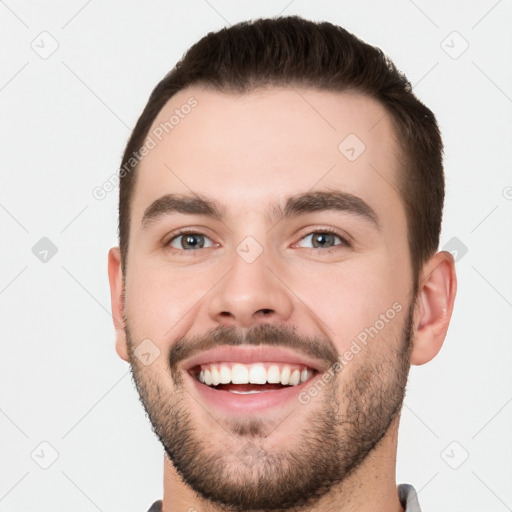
pixel 254 378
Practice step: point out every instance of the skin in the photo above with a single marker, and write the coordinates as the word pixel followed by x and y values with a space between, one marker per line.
pixel 248 152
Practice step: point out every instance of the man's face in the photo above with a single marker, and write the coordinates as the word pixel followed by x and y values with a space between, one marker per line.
pixel 305 263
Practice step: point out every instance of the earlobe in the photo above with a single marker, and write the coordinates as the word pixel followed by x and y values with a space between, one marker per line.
pixel 434 307
pixel 115 277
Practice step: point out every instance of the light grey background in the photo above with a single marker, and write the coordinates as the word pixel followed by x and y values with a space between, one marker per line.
pixel 65 120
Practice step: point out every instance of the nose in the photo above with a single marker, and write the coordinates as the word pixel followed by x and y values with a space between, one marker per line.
pixel 251 292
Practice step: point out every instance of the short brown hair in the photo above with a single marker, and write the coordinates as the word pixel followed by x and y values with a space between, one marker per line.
pixel 286 51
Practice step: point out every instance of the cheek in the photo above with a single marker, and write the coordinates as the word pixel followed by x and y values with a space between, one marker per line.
pixel 356 298
pixel 160 303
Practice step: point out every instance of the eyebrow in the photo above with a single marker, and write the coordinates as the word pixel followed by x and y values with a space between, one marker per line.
pixel 300 204
pixel 310 202
pixel 191 204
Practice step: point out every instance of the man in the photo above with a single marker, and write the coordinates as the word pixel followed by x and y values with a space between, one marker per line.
pixel 280 207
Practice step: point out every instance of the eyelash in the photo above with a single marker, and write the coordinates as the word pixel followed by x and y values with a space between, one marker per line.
pixel 344 241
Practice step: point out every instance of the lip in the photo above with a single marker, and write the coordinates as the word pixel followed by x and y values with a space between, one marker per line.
pixel 252 354
pixel 232 403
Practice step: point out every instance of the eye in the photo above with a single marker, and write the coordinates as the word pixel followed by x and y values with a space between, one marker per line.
pixel 323 239
pixel 189 240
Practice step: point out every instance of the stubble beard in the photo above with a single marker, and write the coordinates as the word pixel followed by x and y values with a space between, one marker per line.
pixel 329 445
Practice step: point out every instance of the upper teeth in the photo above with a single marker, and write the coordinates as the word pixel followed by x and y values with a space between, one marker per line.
pixel 256 373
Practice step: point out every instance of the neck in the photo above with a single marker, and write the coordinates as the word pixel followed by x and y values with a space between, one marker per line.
pixel 372 486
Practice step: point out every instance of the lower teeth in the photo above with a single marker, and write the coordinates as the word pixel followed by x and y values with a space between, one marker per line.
pixel 245 392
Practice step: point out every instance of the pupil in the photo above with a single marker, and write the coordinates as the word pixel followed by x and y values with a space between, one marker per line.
pixel 321 238
pixel 190 241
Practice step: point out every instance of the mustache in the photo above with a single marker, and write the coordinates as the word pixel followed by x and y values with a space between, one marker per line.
pixel 319 347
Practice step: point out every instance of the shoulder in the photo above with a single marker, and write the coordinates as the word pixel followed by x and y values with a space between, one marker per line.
pixel 408 498
pixel 156 507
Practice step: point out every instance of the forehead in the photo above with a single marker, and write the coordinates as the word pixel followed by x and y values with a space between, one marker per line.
pixel 249 150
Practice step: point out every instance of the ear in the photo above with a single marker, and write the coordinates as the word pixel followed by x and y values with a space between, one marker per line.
pixel 115 277
pixel 434 306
